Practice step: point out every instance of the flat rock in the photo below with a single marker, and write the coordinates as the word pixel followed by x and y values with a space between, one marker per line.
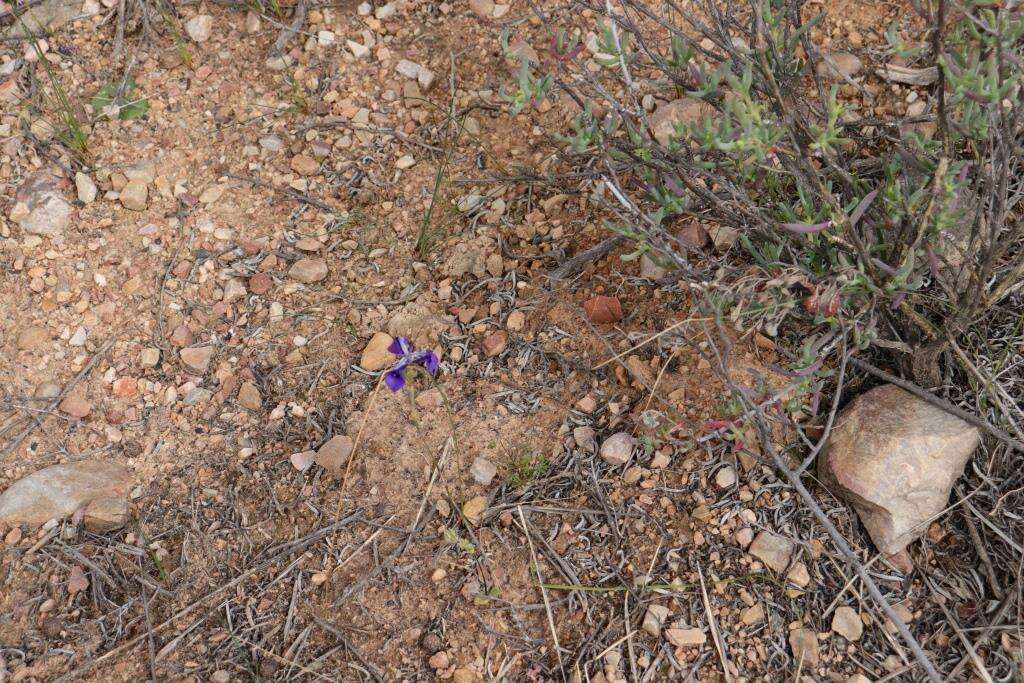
pixel 804 643
pixel 46 17
pixel 376 355
pixel 308 270
pixel 199 27
pixel 333 455
pixel 654 619
pixel 75 405
pixel 85 187
pixel 423 76
pixel 32 337
pixel 304 165
pixel 495 343
pixel 125 387
pixel 260 283
pixel 773 550
pixel 725 477
pixel 650 269
pixel 895 458
pixel 197 395
pixel 98 488
pixel 474 508
pixel 603 309
pixel 516 321
pixel 134 195
pixel 752 615
pixel 617 448
pixel 846 622
pixel 483 470
pixel 482 8
pixel 196 358
pixel 44 209
pixel 47 391
pixel 234 289
pixel 675 114
pixel 358 50
pixel 839 66
pixel 249 396
pixel 181 336
pixel 585 438
pixel 149 357
pixel 685 637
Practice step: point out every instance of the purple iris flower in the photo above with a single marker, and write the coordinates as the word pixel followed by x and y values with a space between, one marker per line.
pixel 407 355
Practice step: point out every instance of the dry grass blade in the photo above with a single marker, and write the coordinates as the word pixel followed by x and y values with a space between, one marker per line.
pixel 543 590
pixel 713 625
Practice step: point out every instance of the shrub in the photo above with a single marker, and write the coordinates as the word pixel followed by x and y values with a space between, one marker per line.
pixel 900 227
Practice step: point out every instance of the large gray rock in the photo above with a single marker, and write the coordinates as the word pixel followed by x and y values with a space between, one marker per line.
pixel 48 213
pixel 895 457
pixel 99 489
pixel 46 17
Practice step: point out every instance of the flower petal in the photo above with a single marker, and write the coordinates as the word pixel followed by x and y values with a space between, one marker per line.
pixel 396 347
pixel 430 362
pixel 395 379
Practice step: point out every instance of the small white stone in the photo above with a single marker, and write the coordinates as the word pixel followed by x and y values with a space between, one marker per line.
pixel 483 471
pixel 79 337
pixel 725 477
pixel 358 49
pixel 252 23
pixel 617 449
pixel 199 27
pixel 86 188
pixel 655 618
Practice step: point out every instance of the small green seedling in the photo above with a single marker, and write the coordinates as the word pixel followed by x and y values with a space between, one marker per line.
pixel 118 100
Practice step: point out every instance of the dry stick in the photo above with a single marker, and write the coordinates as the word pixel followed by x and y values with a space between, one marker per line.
pixel 979 665
pixel 543 590
pixel 359 438
pixel 579 261
pixel 119 33
pixel 972 529
pixel 430 487
pixel 987 633
pixel 298 196
pixel 55 402
pixel 719 645
pixel 647 341
pixel 22 8
pixel 629 635
pixel 279 659
pixel 289 31
pixel 657 380
pixel 969 418
pixel 287 549
pixel 846 586
pixel 340 635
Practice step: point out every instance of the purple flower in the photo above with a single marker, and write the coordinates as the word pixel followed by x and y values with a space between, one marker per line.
pixel 407 355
